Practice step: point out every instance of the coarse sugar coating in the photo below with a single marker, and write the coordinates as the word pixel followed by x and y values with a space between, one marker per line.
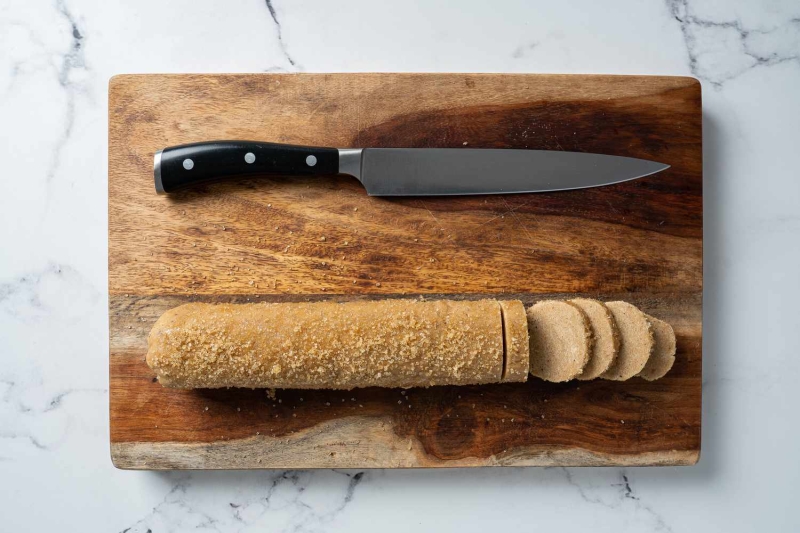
pixel 637 342
pixel 517 345
pixel 328 345
pixel 560 340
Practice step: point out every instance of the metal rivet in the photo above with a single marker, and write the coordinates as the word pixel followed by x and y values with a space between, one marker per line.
pixel 249 157
pixel 311 160
pixel 188 164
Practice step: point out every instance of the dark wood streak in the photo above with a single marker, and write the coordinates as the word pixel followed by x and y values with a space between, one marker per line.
pixel 629 127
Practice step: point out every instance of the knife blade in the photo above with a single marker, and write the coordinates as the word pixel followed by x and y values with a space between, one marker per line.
pixel 400 171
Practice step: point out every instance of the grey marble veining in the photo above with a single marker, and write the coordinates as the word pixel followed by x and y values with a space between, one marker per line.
pixel 279 33
pixel 295 495
pixel 55 61
pixel 721 46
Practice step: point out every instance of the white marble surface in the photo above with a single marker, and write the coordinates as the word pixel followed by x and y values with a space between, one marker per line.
pixel 55 60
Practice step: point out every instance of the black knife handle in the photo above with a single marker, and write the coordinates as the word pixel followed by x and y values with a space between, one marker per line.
pixel 188 164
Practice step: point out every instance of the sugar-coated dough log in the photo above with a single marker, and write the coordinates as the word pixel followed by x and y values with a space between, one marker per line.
pixel 517 346
pixel 606 337
pixel 663 356
pixel 560 340
pixel 636 334
pixel 328 345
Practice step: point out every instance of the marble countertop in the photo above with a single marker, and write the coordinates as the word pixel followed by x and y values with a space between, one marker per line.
pixel 55 61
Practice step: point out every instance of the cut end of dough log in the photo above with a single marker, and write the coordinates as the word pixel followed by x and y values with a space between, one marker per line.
pixel 517 345
pixel 664 353
pixel 638 342
pixel 606 337
pixel 560 340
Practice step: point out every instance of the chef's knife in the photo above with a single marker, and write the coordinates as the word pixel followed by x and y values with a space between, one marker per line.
pixel 400 171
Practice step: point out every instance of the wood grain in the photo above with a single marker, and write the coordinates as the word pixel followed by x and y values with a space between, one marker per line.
pixel 262 239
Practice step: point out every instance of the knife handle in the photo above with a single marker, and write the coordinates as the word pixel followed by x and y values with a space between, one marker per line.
pixel 189 164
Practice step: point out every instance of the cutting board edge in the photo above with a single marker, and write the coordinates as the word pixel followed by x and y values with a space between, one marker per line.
pixel 180 456
pixel 122 77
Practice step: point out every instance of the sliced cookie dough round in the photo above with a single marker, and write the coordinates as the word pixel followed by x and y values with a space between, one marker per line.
pixel 560 340
pixel 606 337
pixel 637 341
pixel 515 341
pixel 664 353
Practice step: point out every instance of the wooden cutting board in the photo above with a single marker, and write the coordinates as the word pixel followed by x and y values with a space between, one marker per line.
pixel 298 239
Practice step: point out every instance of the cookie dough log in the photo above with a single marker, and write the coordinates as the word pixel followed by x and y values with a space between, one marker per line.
pixel 638 342
pixel 663 356
pixel 328 345
pixel 517 345
pixel 560 340
pixel 606 337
